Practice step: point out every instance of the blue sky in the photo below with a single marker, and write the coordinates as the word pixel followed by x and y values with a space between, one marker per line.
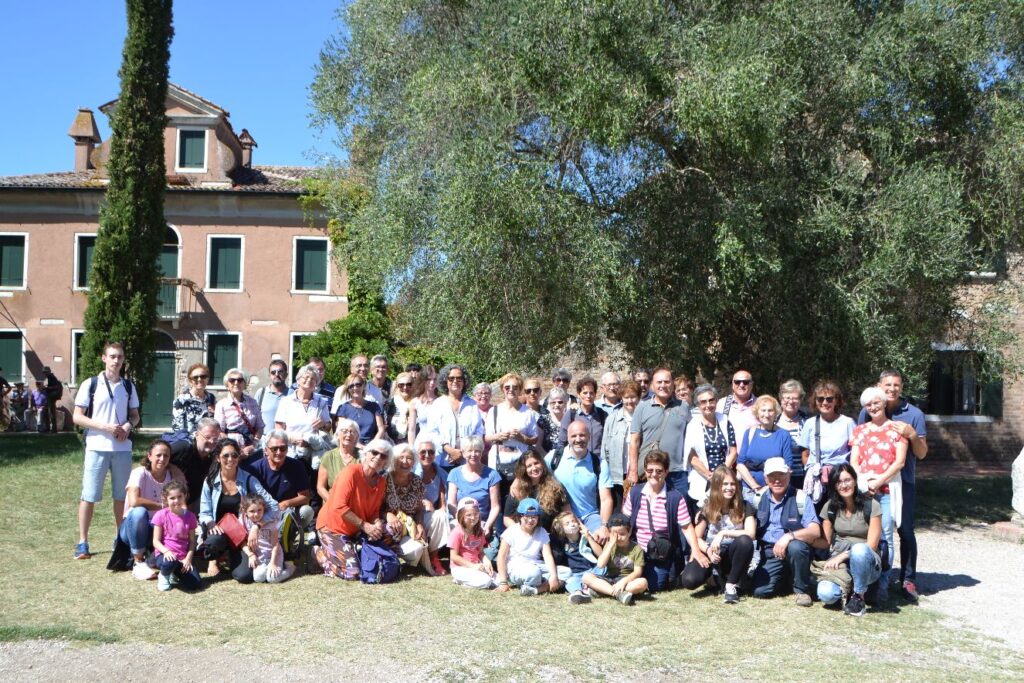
pixel 253 58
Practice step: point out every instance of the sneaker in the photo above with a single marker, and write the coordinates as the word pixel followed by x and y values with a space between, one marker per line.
pixel 163 582
pixel 174 579
pixel 435 563
pixel 143 572
pixel 731 598
pixel 855 606
pixel 804 600
pixel 527 589
pixel 625 597
pixel 910 591
pixel 579 598
pixel 82 551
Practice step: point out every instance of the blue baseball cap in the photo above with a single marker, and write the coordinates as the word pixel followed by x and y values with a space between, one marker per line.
pixel 529 507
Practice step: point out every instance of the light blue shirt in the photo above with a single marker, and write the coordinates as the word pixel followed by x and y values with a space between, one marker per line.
pixel 580 482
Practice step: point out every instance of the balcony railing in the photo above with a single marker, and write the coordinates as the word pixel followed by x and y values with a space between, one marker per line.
pixel 169 307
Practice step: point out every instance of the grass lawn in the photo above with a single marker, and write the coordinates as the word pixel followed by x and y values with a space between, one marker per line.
pixel 432 628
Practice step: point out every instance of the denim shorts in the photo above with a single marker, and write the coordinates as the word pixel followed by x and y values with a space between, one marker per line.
pixel 94 471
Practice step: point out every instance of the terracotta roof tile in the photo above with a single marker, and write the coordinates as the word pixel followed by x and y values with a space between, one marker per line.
pixel 283 179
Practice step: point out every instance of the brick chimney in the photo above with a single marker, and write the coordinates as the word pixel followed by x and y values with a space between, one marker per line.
pixel 86 136
pixel 247 143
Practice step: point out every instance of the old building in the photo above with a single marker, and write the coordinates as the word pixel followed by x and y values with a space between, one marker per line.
pixel 245 274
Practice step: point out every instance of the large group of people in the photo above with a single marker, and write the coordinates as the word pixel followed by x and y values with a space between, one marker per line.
pixel 623 488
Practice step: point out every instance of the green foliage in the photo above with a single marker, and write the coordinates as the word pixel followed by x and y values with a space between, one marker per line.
pixel 799 186
pixel 366 332
pixel 124 283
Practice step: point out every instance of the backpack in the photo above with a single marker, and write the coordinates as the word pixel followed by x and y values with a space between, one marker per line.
pixel 94 381
pixel 377 563
pixel 883 544
pixel 595 461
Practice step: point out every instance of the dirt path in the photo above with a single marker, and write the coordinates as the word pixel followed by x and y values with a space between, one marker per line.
pixel 978 588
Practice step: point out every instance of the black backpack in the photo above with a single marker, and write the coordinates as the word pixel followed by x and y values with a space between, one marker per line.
pixel 125 382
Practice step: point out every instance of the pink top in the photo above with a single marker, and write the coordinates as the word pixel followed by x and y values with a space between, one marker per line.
pixel 877 447
pixel 177 530
pixel 468 547
pixel 659 514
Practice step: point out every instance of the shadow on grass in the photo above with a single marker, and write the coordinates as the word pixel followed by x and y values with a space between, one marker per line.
pixel 17 449
pixel 14 633
pixel 945 501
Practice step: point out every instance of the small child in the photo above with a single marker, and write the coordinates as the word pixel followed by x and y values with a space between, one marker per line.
pixel 621 559
pixel 524 558
pixel 580 551
pixel 470 567
pixel 267 561
pixel 174 539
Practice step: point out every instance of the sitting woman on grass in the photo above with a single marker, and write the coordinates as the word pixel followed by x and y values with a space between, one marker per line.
pixel 144 498
pixel 416 543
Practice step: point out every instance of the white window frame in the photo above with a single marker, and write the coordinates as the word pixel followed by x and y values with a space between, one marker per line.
pixel 177 149
pixel 73 379
pixel 216 382
pixel 75 273
pixel 24 363
pixel 241 264
pixel 24 265
pixel 295 257
pixel 292 346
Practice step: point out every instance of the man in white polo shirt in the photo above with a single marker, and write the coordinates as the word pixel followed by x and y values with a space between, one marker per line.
pixel 107 408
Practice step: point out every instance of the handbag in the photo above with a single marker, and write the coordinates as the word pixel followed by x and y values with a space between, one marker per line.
pixel 233 530
pixel 659 548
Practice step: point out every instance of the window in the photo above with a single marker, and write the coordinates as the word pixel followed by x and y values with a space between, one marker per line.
pixel 224 268
pixel 13 257
pixel 957 385
pixel 310 264
pixel 12 356
pixel 85 247
pixel 221 354
pixel 191 150
pixel 76 354
pixel 295 341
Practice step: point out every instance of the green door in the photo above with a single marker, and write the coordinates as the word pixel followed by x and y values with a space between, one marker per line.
pixel 156 410
pixel 168 263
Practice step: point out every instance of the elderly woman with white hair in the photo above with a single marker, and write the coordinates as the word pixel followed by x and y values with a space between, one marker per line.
pixel 549 421
pixel 239 414
pixel 304 413
pixel 710 442
pixel 477 481
pixel 879 451
pixel 335 460
pixel 417 534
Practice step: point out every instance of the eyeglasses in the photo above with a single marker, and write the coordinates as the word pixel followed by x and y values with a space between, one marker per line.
pixel 532 390
pixel 456 378
pixel 282 372
pixel 706 402
pixel 235 380
pixel 196 378
pixel 277 449
pixel 556 402
pixel 824 399
pixel 845 482
pixel 357 385
pixel 742 382
pixel 428 452
pixel 511 387
pixel 652 471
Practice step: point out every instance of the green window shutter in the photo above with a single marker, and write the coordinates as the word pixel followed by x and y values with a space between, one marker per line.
pixel 311 265
pixel 221 355
pixel 191 148
pixel 10 356
pixel 225 263
pixel 78 337
pixel 86 249
pixel 12 262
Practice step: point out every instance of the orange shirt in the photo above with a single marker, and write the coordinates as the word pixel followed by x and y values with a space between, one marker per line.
pixel 351 492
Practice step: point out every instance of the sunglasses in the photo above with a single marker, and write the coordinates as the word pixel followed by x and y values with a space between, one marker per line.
pixel 379 454
pixel 196 378
pixel 357 385
pixel 511 387
pixel 532 390
pixel 230 455
pixel 456 378
pixel 824 399
pixel 654 471
pixel 277 449
pixel 235 380
pixel 403 385
pixel 706 402
pixel 742 382
pixel 428 452
pixel 278 372
pixel 560 380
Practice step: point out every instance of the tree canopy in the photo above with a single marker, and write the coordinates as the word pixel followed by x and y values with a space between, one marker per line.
pixel 124 282
pixel 799 187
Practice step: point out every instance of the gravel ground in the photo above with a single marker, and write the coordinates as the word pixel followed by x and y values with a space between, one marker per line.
pixel 980 579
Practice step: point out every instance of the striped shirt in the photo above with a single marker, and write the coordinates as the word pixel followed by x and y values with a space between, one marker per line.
pixel 659 514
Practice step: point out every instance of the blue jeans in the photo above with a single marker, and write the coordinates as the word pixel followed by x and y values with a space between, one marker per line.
pixel 190 580
pixel 865 568
pixel 573 580
pixel 887 527
pixel 908 541
pixel 136 531
pixel 797 563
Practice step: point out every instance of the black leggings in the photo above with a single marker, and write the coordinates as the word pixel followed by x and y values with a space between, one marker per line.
pixel 216 546
pixel 734 562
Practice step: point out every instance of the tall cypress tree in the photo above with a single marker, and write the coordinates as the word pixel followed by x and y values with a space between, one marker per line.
pixel 124 284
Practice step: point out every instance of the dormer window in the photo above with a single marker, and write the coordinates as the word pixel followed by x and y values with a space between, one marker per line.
pixel 191 150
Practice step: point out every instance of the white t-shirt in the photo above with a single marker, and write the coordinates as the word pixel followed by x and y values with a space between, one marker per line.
pixel 524 546
pixel 298 419
pixel 111 404
pixel 149 487
pixel 524 419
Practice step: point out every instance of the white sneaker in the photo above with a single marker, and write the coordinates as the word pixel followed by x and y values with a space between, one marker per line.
pixel 579 598
pixel 527 589
pixel 143 572
pixel 625 597
pixel 163 583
